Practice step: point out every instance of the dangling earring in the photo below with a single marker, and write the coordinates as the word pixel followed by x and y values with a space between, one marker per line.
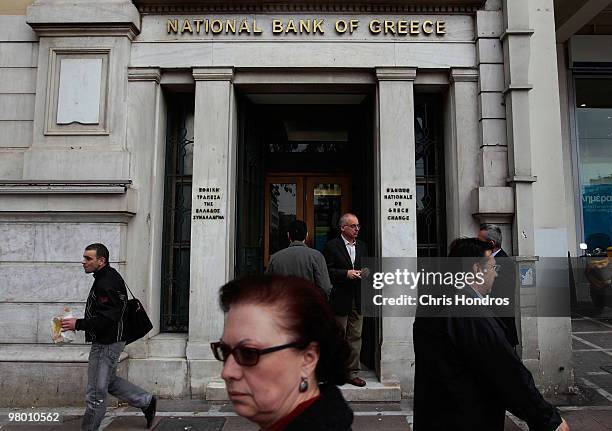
pixel 303 384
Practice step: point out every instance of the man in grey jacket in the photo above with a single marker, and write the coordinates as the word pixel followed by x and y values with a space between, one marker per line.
pixel 300 260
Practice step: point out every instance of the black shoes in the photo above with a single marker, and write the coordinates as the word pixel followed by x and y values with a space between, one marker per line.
pixel 150 411
pixel 356 381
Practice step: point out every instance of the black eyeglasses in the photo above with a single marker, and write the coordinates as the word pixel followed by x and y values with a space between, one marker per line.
pixel 245 356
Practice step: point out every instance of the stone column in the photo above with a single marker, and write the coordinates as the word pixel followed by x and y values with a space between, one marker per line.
pixel 212 214
pixel 493 199
pixel 146 143
pixel 398 237
pixel 462 167
pixel 517 52
pixel 531 118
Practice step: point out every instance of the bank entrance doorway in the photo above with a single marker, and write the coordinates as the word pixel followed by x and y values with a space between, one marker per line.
pixel 306 157
pixel 318 200
pixel 323 146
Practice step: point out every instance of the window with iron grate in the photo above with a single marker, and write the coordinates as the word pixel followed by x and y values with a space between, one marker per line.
pixel 177 214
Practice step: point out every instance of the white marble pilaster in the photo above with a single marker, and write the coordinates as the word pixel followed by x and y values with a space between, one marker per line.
pixel 533 135
pixel 517 52
pixel 146 144
pixel 211 248
pixel 492 201
pixel 463 169
pixel 398 237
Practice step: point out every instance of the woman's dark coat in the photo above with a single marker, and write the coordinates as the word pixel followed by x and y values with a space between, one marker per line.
pixel 329 413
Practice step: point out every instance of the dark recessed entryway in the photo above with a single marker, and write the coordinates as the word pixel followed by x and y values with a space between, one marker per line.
pixel 311 162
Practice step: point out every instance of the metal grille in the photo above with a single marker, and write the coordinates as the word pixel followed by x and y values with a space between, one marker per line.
pixel 177 215
pixel 431 226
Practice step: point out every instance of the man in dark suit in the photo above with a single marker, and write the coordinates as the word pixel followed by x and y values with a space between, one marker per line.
pixel 505 283
pixel 466 372
pixel 343 256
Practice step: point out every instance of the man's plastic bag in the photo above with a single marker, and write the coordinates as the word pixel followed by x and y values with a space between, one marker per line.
pixel 57 335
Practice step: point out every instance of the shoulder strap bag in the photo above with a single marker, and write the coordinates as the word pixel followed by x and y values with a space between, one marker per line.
pixel 137 323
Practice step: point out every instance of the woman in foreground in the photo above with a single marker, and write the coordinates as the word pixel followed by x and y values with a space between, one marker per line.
pixel 283 355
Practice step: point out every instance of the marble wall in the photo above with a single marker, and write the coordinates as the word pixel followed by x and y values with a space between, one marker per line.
pixel 40 273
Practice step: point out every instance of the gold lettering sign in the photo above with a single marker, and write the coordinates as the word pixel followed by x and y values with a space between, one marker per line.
pixel 310 26
pixel 213 26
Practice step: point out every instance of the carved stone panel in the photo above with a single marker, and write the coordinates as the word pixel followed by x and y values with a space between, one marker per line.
pixel 77 92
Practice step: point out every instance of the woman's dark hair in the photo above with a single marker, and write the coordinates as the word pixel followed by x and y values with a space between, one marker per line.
pixel 306 314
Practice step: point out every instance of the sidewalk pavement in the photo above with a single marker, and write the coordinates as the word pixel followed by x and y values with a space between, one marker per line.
pixel 196 415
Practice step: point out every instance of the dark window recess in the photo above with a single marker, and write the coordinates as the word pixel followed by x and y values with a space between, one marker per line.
pixel 431 225
pixel 283 200
pixel 177 215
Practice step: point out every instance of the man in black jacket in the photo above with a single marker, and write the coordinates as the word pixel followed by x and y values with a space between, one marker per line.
pixel 343 256
pixel 466 372
pixel 505 285
pixel 104 327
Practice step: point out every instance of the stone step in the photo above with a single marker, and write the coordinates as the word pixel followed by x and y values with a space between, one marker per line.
pixel 373 391
pixel 215 391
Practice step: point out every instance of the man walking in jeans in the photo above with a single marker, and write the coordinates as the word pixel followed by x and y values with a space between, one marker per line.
pixel 105 315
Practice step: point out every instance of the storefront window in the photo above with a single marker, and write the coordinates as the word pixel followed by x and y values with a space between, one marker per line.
pixel 594 131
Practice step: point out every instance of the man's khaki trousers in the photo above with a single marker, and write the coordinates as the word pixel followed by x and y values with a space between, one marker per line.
pixel 352 325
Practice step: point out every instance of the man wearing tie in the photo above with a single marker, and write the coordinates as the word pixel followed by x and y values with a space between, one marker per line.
pixel 343 256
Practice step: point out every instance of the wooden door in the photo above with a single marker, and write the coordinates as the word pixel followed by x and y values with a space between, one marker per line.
pixel 318 200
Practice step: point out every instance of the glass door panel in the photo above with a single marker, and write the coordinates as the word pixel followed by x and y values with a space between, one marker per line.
pixel 327 198
pixel 318 201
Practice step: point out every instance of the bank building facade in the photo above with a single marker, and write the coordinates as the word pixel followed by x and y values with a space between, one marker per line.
pixel 186 136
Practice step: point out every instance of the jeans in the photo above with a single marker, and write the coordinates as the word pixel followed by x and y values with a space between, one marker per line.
pixel 102 379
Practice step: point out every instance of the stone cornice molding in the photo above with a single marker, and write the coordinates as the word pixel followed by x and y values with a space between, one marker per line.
pixel 84 18
pixel 144 74
pixel 526 179
pixel 64 187
pixel 396 73
pixel 55 30
pixel 290 7
pixel 213 73
pixel 516 32
pixel 514 87
pixel 464 75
